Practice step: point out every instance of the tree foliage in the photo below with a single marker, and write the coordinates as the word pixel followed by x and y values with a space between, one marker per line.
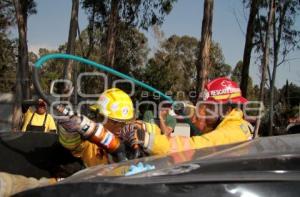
pixel 7 47
pixel 136 13
pixel 6 15
pixel 218 67
pixel 236 76
pixel 290 93
pixel 285 19
pixel 284 38
pixel 173 67
pixel 132 50
pixel 110 16
pixel 7 64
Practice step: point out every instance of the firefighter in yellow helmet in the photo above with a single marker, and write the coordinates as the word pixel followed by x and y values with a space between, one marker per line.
pixel 94 148
pixel 117 109
pixel 230 128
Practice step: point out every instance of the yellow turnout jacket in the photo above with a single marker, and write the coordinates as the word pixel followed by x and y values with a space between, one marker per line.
pixel 232 129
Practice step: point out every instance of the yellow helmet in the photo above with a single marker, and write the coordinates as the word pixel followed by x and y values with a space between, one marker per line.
pixel 115 104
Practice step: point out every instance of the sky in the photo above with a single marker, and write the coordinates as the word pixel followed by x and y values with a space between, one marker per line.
pixel 49 28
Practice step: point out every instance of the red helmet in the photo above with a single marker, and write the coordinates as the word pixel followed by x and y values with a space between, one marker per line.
pixel 223 90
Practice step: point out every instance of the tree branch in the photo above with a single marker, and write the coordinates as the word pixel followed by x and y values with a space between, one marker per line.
pixel 269 72
pixel 261 40
pixel 238 22
pixel 286 60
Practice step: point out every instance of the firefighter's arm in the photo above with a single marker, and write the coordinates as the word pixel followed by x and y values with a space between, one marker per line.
pixel 147 136
pixel 71 141
pixel 226 135
pixel 89 153
pixel 155 144
pixel 70 138
pixel 161 144
pixel 167 130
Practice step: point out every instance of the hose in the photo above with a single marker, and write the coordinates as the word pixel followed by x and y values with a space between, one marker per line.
pixel 45 58
pixel 50 99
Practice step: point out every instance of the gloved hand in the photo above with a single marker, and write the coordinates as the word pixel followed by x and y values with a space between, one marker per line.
pixel 76 123
pixel 70 124
pixel 134 136
pixel 128 134
pixel 183 109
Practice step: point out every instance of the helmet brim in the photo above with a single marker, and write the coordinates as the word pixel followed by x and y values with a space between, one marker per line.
pixel 237 100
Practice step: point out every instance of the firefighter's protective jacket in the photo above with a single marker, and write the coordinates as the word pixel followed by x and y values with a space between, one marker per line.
pixel 232 129
pixel 90 153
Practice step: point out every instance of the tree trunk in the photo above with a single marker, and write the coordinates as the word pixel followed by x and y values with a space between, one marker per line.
pixel 272 86
pixel 277 32
pixel 17 108
pixel 206 34
pixel 265 60
pixel 22 80
pixel 287 95
pixel 111 37
pixel 68 69
pixel 248 47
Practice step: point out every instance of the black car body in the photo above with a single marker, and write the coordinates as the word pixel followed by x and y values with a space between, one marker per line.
pixel 267 166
